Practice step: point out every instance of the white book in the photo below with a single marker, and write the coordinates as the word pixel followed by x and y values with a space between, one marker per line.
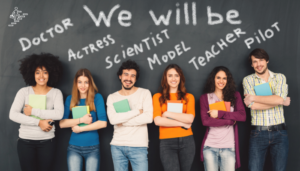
pixel 175 107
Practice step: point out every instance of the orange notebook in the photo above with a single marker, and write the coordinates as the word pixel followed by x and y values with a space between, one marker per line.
pixel 218 106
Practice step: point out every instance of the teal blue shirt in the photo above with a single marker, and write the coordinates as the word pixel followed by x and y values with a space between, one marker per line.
pixel 88 138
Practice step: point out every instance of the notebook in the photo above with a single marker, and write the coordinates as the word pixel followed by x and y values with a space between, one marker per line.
pixel 37 102
pixel 263 89
pixel 218 106
pixel 175 106
pixel 80 111
pixel 122 106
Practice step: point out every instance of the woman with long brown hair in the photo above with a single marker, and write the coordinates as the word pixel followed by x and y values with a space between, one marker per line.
pixel 84 141
pixel 177 146
pixel 220 146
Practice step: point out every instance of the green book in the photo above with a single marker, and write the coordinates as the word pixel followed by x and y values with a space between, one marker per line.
pixel 80 111
pixel 37 102
pixel 122 106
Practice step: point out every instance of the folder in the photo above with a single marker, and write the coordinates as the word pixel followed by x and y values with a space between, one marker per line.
pixel 263 89
pixel 37 102
pixel 122 106
pixel 218 106
pixel 80 111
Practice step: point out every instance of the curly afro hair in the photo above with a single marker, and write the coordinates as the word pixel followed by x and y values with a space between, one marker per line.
pixel 129 64
pixel 230 88
pixel 50 62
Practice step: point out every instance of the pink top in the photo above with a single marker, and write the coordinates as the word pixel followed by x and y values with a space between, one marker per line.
pixel 220 136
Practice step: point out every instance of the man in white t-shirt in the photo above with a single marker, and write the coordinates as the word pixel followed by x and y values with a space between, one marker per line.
pixel 130 139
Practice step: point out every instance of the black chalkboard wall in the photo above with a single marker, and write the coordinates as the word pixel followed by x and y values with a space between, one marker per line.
pixel 100 35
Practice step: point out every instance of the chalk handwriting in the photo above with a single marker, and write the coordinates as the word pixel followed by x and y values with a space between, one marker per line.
pixel 216 48
pixel 26 43
pixel 122 17
pixel 268 33
pixel 91 48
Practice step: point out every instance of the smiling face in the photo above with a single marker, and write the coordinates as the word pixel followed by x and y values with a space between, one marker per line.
pixel 259 65
pixel 220 80
pixel 83 85
pixel 41 76
pixel 128 78
pixel 173 78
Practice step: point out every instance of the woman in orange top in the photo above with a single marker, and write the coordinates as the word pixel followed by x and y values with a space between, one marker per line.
pixel 177 145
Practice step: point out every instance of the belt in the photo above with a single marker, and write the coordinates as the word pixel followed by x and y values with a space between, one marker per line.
pixel 269 128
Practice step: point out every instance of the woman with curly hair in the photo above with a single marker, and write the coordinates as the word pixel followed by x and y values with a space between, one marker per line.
pixel 220 146
pixel 36 144
pixel 84 141
pixel 177 145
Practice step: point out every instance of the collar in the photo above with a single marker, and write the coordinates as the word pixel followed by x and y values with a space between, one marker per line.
pixel 270 73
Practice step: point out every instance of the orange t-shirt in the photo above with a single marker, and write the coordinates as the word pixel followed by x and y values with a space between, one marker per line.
pixel 158 110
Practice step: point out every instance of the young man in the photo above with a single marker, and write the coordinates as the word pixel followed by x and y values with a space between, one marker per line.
pixel 267 118
pixel 130 139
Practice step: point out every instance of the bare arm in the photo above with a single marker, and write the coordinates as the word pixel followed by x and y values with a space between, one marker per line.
pixel 162 121
pixel 94 126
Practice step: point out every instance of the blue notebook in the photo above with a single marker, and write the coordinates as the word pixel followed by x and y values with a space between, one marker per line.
pixel 263 90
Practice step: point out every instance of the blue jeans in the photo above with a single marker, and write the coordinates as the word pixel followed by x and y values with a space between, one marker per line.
pixel 215 158
pixel 90 155
pixel 261 141
pixel 136 155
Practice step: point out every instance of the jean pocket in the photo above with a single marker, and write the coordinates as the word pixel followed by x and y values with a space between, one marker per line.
pixel 254 133
pixel 283 132
pixel 206 148
pixel 232 149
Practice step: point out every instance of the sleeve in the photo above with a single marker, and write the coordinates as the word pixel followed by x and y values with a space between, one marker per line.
pixel 147 115
pixel 67 110
pixel 281 86
pixel 206 119
pixel 57 112
pixel 15 113
pixel 117 118
pixel 190 109
pixel 248 86
pixel 157 111
pixel 100 107
pixel 239 113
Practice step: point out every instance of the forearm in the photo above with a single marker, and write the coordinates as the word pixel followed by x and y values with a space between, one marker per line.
pixel 67 123
pixel 94 126
pixel 48 114
pixel 162 121
pixel 144 118
pixel 268 100
pixel 117 118
pixel 23 119
pixel 261 106
pixel 181 117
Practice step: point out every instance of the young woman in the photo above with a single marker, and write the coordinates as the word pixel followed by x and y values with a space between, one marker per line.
pixel 177 146
pixel 36 144
pixel 220 146
pixel 84 141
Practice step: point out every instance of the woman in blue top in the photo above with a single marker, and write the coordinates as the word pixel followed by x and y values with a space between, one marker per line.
pixel 84 141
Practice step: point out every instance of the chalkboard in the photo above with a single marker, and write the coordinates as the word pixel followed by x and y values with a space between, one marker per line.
pixel 196 35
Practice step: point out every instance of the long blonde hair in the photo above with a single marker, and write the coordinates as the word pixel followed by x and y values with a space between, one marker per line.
pixel 89 101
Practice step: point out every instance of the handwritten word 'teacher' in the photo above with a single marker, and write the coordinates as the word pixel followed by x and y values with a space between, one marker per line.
pixel 26 43
pixel 213 52
pixel 124 16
